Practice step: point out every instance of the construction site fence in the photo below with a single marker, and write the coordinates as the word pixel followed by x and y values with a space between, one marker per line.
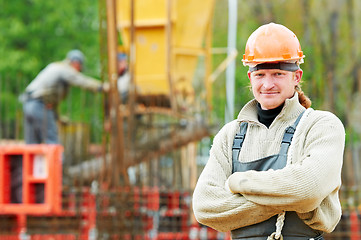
pixel 123 213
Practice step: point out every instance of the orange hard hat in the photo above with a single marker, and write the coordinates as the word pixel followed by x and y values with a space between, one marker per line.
pixel 272 43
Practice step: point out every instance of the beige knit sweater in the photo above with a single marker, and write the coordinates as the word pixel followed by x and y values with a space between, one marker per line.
pixel 309 183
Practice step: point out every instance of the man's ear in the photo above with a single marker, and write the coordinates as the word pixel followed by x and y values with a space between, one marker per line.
pixel 298 76
pixel 249 75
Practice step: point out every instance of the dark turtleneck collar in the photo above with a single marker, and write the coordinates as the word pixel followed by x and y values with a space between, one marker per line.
pixel 267 116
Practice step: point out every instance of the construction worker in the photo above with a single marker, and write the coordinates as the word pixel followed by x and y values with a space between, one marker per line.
pixel 45 92
pixel 40 102
pixel 123 76
pixel 275 171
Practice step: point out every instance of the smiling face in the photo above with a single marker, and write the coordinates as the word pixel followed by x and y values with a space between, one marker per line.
pixel 271 87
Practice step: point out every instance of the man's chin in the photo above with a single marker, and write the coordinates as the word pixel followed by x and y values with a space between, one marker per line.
pixel 268 106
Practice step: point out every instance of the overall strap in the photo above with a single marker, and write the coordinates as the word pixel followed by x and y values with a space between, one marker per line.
pixel 237 142
pixel 287 137
pixel 286 141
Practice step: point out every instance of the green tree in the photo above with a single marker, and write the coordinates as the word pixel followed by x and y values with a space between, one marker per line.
pixel 35 33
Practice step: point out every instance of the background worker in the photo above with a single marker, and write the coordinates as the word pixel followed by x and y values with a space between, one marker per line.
pixel 269 182
pixel 47 90
pixel 123 76
pixel 40 101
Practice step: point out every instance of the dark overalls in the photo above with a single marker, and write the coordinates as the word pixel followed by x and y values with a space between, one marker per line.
pixel 39 121
pixel 294 228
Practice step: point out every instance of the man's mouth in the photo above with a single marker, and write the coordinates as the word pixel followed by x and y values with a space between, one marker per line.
pixel 269 93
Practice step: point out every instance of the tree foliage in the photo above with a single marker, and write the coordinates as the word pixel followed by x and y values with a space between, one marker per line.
pixel 35 33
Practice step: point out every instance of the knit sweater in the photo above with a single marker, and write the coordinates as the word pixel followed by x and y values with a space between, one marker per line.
pixel 308 184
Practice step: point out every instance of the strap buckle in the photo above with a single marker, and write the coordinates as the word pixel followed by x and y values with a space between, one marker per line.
pixel 287 137
pixel 237 142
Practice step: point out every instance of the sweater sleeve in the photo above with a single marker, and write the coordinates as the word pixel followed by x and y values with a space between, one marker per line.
pixel 303 185
pixel 80 80
pixel 215 206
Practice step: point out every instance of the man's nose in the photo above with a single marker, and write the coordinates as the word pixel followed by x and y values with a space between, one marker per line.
pixel 268 82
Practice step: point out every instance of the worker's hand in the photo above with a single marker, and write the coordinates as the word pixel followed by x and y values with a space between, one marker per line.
pixel 106 87
pixel 64 120
pixel 234 182
pixel 107 125
pixel 226 186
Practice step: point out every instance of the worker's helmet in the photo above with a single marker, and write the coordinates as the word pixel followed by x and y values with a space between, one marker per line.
pixel 272 43
pixel 75 55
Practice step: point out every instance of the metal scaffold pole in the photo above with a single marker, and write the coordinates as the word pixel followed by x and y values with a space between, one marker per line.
pixel 230 71
pixel 116 120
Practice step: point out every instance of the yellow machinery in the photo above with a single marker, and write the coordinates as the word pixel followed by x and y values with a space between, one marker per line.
pixel 165 39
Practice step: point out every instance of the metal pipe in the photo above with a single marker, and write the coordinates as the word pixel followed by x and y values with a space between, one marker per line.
pixel 223 65
pixel 169 55
pixel 132 88
pixel 230 71
pixel 116 141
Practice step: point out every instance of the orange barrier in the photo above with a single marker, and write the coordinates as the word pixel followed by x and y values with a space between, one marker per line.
pixel 162 214
pixel 41 167
pixel 354 226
